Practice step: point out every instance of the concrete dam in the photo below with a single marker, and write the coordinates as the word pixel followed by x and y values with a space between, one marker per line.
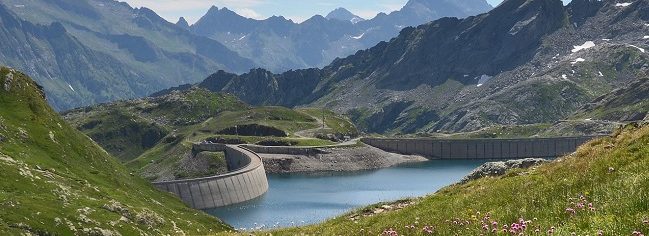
pixel 247 177
pixel 246 180
pixel 481 148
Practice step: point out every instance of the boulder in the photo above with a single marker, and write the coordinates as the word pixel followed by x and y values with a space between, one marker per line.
pixel 501 167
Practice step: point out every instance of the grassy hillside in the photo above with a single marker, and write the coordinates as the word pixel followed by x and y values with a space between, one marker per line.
pixel 127 129
pixel 165 160
pixel 154 135
pixel 602 188
pixel 56 181
pixel 628 103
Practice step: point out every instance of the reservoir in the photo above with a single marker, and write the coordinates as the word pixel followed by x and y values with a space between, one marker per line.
pixel 301 199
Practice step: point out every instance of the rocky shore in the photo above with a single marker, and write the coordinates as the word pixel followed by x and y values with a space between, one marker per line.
pixel 336 159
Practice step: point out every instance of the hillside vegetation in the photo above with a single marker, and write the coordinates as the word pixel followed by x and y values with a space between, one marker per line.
pixel 56 181
pixel 127 129
pixel 153 136
pixel 599 190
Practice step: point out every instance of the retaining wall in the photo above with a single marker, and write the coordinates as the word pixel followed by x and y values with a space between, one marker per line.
pixel 246 180
pixel 481 148
pixel 306 151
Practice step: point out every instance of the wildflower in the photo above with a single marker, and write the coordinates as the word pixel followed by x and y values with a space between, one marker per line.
pixel 645 221
pixel 571 211
pixel 390 232
pixel 637 233
pixel 428 229
pixel 600 233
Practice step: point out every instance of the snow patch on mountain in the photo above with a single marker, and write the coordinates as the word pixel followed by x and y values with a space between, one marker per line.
pixel 639 48
pixel 586 45
pixel 359 37
pixel 578 60
pixel 483 79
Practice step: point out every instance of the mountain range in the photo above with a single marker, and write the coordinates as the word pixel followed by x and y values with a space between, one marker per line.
pixel 86 52
pixel 279 44
pixel 94 51
pixel 524 62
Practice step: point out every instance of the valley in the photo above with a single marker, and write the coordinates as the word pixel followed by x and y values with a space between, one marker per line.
pixel 439 118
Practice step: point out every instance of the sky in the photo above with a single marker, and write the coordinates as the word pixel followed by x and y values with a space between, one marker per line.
pixel 296 10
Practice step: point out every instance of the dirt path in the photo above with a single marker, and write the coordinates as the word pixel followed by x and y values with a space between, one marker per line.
pixel 310 133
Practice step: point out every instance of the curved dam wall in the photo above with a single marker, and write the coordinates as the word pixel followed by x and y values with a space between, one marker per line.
pixel 481 148
pixel 245 181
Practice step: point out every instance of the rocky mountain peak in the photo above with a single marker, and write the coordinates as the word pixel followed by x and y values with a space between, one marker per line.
pixel 344 15
pixel 182 23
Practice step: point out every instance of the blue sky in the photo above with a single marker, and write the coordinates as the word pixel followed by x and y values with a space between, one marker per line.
pixel 297 10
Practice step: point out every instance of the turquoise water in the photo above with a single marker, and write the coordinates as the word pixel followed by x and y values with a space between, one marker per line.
pixel 299 199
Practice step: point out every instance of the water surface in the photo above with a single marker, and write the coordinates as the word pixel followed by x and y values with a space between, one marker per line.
pixel 299 199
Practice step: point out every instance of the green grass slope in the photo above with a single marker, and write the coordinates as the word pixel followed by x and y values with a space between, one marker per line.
pixel 602 188
pixel 153 136
pixel 628 103
pixel 127 129
pixel 166 160
pixel 56 181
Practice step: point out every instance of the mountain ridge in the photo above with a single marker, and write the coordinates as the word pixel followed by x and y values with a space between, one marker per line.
pixel 528 47
pixel 318 40
pixel 123 52
pixel 344 15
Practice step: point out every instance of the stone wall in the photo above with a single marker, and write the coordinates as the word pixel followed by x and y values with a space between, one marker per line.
pixel 481 148
pixel 245 181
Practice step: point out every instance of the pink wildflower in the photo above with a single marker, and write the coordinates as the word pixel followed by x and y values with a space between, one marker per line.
pixel 571 211
pixel 428 229
pixel 390 232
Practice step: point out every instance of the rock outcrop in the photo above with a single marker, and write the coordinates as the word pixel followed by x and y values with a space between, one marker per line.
pixel 501 167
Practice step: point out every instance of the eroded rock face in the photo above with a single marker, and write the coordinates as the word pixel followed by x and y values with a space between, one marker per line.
pixel 8 79
pixel 501 167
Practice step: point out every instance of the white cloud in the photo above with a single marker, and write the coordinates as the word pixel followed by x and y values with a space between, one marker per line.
pixel 250 13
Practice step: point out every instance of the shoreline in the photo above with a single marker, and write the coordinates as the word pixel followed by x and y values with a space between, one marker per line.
pixel 333 159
